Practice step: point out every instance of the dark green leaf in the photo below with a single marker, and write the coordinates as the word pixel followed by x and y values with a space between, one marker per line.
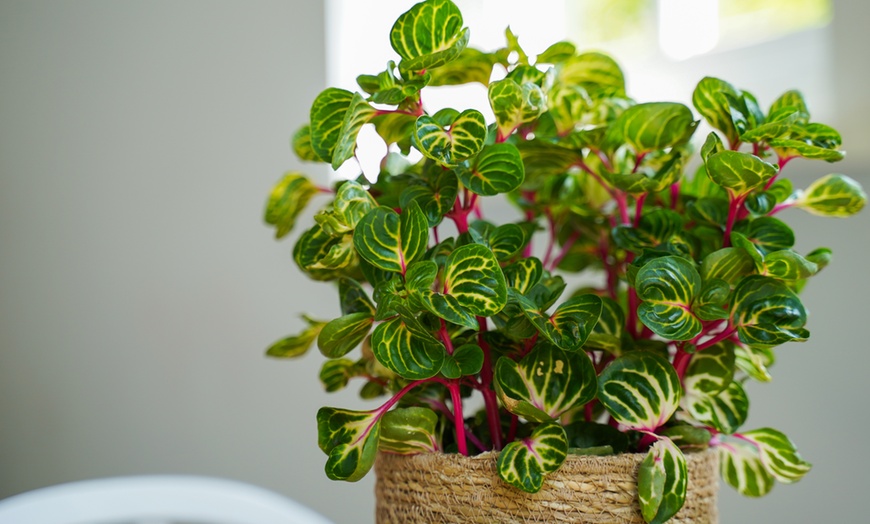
pixel 497 169
pixel 524 463
pixel 640 390
pixel 391 241
pixel 765 311
pixel 350 438
pixel 667 286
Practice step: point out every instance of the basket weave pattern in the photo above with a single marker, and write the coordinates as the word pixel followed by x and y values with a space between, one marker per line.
pixel 447 488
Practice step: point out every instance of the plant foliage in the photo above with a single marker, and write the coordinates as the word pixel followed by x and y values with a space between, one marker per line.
pixel 700 286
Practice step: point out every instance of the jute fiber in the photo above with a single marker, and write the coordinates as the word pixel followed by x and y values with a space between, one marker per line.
pixel 434 488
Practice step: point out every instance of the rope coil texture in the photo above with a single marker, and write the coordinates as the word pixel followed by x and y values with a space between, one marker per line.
pixel 432 488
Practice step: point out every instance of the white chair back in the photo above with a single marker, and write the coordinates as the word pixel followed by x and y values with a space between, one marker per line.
pixel 157 499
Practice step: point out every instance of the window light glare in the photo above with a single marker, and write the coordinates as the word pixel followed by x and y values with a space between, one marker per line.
pixel 688 28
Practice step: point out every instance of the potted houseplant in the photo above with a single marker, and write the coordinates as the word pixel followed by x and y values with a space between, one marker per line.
pixel 698 279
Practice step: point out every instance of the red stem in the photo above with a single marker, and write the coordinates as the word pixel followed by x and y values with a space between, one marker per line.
pixel 489 399
pixel 681 362
pixel 734 205
pixel 458 418
pixel 565 248
pixel 638 209
pixel 723 335
pixel 675 195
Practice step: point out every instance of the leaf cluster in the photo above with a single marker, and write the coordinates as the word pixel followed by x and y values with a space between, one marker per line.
pixel 699 282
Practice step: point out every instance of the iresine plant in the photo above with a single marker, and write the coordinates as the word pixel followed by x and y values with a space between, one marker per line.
pixel 698 277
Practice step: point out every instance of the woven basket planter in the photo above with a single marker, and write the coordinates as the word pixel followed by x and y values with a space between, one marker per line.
pixel 440 488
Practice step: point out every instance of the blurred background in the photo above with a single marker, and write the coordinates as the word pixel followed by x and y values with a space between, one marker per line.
pixel 139 286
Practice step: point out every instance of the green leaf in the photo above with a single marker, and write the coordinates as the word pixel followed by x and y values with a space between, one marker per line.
pixel 725 411
pixel 711 99
pixel 768 234
pixel 667 286
pixel 515 104
pixel 778 454
pixel 323 256
pixel 653 126
pixel 832 195
pixel 609 330
pixel 597 73
pixel 288 198
pixel 523 274
pixel 739 173
pixel 765 311
pixel 640 390
pixel 344 333
pixel 301 143
pixel 524 463
pixel 655 228
pixel 357 115
pixel 687 436
pixel 506 241
pixel 429 35
pixel 798 148
pixel 473 277
pixel 350 439
pixel 352 202
pixel 548 379
pixel 398 345
pixel 709 372
pixel 435 198
pixel 741 467
pixel 570 325
pixel 497 169
pixel 567 105
pixel 662 480
pixel 390 241
pixel 650 180
pixel 789 102
pixel 335 373
pixel 465 360
pixel 470 66
pixel 327 118
pixel 353 297
pixel 788 265
pixel 754 361
pixel 449 147
pixel 556 53
pixel 586 435
pixel 409 431
pixel 296 345
pixel 772 129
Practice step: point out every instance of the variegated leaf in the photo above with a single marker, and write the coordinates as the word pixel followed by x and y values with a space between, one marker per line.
pixel 408 431
pixel 739 173
pixel 301 143
pixel 429 35
pixel 352 202
pixel 710 371
pixel 449 147
pixel 335 373
pixel 523 274
pixel 515 104
pixel 667 286
pixel 640 390
pixel 570 324
pixel 358 113
pixel 474 278
pixel 609 330
pixel 548 379
pixel 778 454
pixel 710 98
pixel 435 198
pixel 353 297
pixel 297 345
pixel 391 241
pixel 766 312
pixel 288 198
pixel 662 481
pixel 725 411
pixel 653 126
pixel 350 439
pixel 741 467
pixel 398 345
pixel 327 118
pixel 497 169
pixel 524 463
pixel 344 333
pixel 832 195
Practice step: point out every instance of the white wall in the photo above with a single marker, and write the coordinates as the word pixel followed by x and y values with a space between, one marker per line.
pixel 139 287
